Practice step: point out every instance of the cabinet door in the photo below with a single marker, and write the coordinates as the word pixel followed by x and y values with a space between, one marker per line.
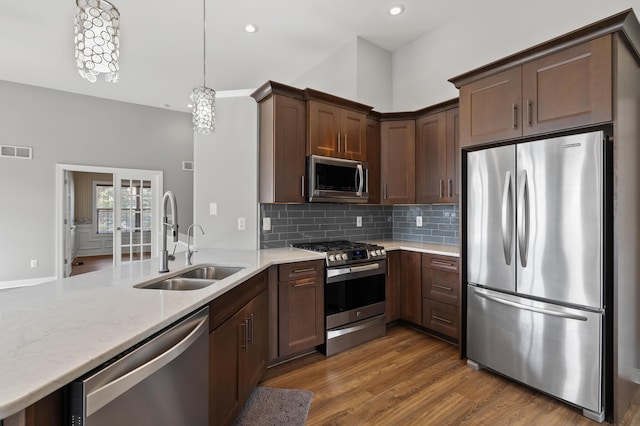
pixel 353 136
pixel 301 314
pixel 431 159
pixel 441 317
pixel 324 126
pixel 254 361
pixel 289 163
pixel 569 88
pixel 225 393
pixel 398 153
pixel 410 287
pixel 453 176
pixel 373 159
pixel 392 287
pixel 490 108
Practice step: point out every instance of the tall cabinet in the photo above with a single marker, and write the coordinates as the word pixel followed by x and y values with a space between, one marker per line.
pixel 584 80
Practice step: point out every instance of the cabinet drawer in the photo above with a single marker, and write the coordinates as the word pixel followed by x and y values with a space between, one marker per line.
pixel 297 270
pixel 440 317
pixel 441 286
pixel 443 263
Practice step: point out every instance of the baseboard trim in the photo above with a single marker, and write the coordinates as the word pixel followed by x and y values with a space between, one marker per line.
pixel 25 283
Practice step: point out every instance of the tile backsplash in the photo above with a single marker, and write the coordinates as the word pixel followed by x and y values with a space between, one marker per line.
pixel 295 223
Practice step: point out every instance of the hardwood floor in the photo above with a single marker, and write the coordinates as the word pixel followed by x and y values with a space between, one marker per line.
pixel 410 378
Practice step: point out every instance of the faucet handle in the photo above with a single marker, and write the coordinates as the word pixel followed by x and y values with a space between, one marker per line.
pixel 172 256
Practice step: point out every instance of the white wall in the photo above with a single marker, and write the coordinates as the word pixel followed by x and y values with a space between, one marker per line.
pixel 490 31
pixel 226 164
pixel 66 128
pixel 359 71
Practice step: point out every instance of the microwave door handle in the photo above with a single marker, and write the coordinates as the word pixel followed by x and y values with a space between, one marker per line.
pixel 360 174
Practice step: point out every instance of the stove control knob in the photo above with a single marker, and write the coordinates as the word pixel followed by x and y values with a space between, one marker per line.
pixel 383 252
pixel 372 253
pixel 344 256
pixel 377 252
pixel 331 258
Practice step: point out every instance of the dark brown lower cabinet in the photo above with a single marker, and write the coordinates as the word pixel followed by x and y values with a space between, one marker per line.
pixel 441 294
pixel 237 359
pixel 410 287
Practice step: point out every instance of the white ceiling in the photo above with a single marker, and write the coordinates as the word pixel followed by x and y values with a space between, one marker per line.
pixel 161 42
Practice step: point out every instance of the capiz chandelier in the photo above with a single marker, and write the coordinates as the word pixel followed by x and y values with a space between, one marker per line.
pixel 203 98
pixel 97 40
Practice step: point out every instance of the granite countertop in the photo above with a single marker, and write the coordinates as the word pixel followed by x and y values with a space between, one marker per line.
pixel 443 249
pixel 55 332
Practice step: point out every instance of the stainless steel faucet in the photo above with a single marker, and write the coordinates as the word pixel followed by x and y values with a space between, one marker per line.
pixel 189 252
pixel 168 198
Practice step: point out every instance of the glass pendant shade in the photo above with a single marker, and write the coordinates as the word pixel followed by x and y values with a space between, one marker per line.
pixel 97 40
pixel 204 112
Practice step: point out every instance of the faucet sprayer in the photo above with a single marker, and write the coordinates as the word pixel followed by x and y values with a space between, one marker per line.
pixel 168 199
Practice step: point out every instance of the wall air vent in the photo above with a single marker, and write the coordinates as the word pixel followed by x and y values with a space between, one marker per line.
pixel 16 152
pixel 187 165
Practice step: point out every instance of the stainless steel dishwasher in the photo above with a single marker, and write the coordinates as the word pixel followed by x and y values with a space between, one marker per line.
pixel 161 381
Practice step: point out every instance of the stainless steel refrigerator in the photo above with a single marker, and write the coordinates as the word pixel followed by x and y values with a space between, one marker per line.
pixel 535 255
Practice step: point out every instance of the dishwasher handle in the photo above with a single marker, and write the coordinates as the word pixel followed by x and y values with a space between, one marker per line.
pixel 110 391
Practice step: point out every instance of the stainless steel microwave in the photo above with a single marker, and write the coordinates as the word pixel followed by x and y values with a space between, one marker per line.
pixel 337 180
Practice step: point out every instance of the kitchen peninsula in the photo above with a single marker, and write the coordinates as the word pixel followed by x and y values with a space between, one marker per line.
pixel 56 332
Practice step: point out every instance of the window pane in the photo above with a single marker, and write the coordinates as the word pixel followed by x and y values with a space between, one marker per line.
pixel 105 221
pixel 104 197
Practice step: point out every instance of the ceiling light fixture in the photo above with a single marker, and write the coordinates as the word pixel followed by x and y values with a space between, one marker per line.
pixel 251 28
pixel 396 10
pixel 204 113
pixel 97 40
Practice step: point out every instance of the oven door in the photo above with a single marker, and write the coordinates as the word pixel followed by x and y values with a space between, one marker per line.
pixel 354 292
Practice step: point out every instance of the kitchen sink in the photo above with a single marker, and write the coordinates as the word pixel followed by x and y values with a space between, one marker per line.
pixel 211 272
pixel 194 278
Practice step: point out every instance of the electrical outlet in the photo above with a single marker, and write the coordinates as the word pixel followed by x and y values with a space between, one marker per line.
pixel 34 263
pixel 213 209
pixel 266 224
pixel 359 221
pixel 242 224
pixel 418 220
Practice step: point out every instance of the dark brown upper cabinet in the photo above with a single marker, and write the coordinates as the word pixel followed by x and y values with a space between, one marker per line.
pixel 437 156
pixel 561 90
pixel 398 161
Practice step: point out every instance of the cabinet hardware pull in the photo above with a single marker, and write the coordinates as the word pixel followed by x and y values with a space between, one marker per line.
pixel 385 191
pixel 437 318
pixel 300 271
pixel 338 141
pixel 441 263
pixel 304 284
pixel 302 186
pixel 441 189
pixel 245 325
pixel 251 338
pixel 514 117
pixel 450 187
pixel 442 287
pixel 529 113
pixel 345 143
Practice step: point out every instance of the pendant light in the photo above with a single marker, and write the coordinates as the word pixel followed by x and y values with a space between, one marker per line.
pixel 97 40
pixel 203 98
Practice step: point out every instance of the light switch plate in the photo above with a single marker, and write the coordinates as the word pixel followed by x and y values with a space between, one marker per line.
pixel 213 209
pixel 266 224
pixel 359 221
pixel 418 220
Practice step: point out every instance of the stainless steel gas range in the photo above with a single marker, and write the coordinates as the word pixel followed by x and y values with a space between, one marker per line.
pixel 354 292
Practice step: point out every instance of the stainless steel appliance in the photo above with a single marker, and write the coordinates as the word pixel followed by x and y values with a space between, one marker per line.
pixel 337 180
pixel 535 265
pixel 354 292
pixel 162 381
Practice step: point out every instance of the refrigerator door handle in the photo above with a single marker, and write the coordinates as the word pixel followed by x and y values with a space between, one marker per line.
pixel 544 311
pixel 523 218
pixel 507 218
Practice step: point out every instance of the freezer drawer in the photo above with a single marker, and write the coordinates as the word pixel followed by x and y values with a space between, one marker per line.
pixel 551 348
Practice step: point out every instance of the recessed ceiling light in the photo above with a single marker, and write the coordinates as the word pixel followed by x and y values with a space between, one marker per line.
pixel 251 28
pixel 396 10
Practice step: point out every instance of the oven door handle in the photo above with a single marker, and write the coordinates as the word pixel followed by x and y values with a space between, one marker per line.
pixel 344 271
